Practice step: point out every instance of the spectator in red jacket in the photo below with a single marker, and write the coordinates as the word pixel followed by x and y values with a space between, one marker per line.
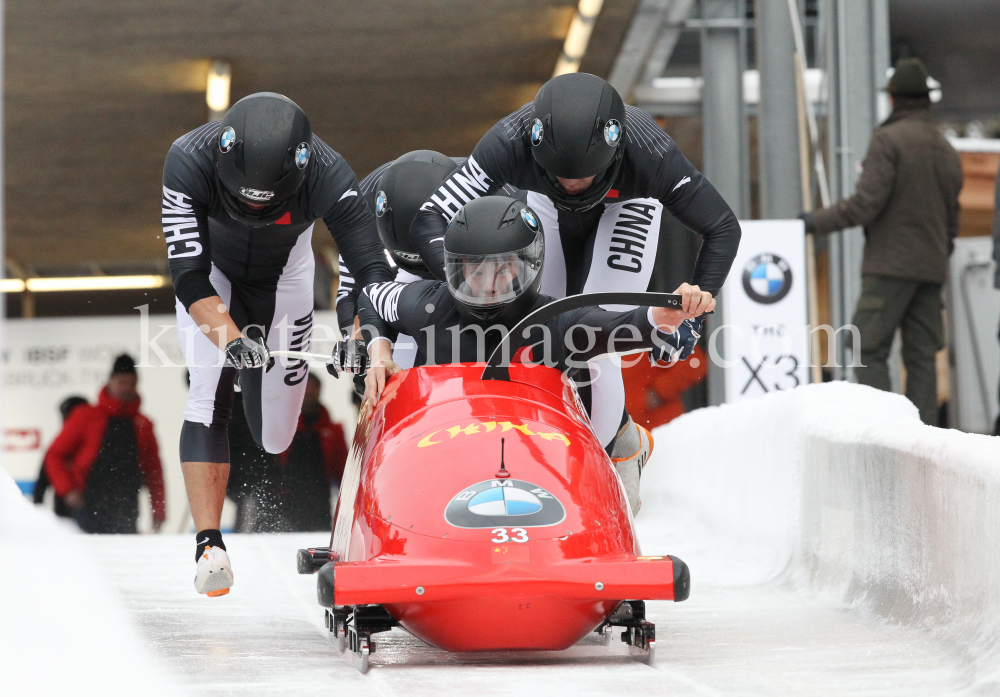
pixel 42 483
pixel 105 454
pixel 312 465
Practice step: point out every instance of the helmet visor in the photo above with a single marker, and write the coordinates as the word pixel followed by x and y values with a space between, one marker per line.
pixel 493 279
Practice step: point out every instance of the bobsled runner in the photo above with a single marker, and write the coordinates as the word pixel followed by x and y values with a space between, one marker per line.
pixel 483 514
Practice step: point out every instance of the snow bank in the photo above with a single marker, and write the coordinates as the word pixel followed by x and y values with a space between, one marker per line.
pixel 62 631
pixel 839 489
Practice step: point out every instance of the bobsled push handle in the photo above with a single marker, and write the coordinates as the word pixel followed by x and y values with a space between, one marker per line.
pixel 495 371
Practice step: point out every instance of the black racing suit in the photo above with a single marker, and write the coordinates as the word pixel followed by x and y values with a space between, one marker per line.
pixel 609 247
pixel 652 167
pixel 264 277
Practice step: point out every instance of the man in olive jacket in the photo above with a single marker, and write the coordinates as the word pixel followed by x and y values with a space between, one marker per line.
pixel 907 200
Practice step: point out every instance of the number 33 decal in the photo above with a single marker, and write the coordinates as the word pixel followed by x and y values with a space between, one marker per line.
pixel 500 535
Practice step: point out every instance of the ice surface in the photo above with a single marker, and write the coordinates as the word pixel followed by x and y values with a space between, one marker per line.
pixel 267 638
pixel 779 604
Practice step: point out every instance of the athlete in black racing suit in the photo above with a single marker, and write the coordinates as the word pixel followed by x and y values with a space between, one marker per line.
pixel 239 200
pixel 651 167
pixel 598 175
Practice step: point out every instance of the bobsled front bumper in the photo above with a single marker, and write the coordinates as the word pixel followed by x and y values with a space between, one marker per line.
pixel 375 582
pixel 462 607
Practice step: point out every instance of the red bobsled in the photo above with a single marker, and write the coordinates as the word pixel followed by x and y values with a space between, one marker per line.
pixel 485 515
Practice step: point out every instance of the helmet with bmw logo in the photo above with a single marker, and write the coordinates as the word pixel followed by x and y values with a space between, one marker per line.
pixel 577 131
pixel 494 249
pixel 264 150
pixel 403 187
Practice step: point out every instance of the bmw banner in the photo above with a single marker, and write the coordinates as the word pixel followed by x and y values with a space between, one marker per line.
pixel 764 342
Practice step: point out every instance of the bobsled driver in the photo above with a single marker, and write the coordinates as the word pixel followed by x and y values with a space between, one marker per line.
pixel 239 200
pixel 598 174
pixel 494 250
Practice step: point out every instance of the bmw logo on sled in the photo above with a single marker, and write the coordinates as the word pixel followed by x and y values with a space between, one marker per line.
pixel 504 502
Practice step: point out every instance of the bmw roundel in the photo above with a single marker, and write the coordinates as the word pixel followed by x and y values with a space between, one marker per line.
pixel 302 155
pixel 381 204
pixel 529 219
pixel 767 278
pixel 503 502
pixel 537 132
pixel 226 139
pixel 612 132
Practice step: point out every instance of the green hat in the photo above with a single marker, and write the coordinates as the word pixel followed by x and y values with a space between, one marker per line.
pixel 909 79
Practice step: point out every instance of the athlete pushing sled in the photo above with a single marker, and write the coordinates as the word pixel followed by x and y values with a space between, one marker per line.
pixel 239 200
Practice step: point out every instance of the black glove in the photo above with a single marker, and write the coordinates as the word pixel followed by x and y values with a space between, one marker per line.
pixel 807 218
pixel 350 356
pixel 679 345
pixel 246 353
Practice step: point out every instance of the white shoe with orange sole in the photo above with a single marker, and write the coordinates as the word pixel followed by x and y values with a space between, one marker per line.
pixel 215 575
pixel 630 468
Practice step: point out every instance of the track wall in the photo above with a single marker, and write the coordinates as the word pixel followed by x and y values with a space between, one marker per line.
pixel 839 489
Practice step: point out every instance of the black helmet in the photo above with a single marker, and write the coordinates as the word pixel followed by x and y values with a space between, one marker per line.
pixel 264 149
pixel 577 131
pixel 493 254
pixel 403 187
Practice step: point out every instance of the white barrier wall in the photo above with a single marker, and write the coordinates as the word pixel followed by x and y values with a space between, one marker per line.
pixel 840 489
pixel 47 360
pixel 62 627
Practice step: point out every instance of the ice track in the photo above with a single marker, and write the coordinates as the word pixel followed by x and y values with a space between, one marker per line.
pixel 267 638
pixel 818 568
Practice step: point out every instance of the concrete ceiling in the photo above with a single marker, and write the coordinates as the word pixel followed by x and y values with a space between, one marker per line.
pixel 97 91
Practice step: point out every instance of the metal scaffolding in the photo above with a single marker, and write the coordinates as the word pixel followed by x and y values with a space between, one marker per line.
pixel 780 180
pixel 856 38
pixel 850 49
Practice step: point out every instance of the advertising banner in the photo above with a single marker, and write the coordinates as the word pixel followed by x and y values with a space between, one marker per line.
pixel 765 341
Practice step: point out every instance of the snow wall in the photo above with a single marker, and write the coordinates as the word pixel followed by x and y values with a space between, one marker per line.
pixel 63 630
pixel 840 490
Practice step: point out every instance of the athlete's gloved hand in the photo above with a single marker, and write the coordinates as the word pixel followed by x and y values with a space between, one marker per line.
pixel 246 353
pixel 679 345
pixel 349 356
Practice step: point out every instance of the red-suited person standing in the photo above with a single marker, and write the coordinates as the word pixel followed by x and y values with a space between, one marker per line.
pixel 105 454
